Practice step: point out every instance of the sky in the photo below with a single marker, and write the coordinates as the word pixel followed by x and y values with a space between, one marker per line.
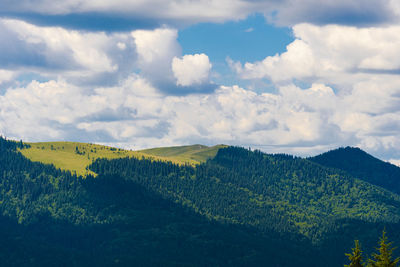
pixel 288 76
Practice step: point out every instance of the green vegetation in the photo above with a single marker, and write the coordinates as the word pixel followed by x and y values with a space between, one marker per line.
pixel 384 257
pixel 233 207
pixel 359 164
pixel 51 217
pixel 355 256
pixel 76 157
pixel 72 156
pixel 194 154
pixel 269 192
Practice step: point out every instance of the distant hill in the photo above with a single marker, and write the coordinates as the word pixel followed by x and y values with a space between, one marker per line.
pixel 362 165
pixel 76 157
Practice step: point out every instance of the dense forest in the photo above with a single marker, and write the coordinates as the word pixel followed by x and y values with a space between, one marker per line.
pixel 242 208
pixel 363 166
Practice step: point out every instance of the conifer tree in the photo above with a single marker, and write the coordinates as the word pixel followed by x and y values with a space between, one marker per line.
pixel 355 256
pixel 384 257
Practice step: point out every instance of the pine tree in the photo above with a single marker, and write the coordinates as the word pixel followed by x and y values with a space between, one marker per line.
pixel 355 256
pixel 384 258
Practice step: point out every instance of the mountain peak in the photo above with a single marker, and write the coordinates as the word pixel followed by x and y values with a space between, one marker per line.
pixel 362 165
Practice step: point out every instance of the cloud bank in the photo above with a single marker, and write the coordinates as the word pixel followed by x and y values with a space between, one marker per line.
pixel 135 115
pixel 121 14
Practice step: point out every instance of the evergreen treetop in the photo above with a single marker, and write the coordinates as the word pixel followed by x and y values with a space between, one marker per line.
pixel 384 257
pixel 355 256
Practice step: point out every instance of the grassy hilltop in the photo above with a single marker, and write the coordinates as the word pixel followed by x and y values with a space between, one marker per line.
pixel 75 157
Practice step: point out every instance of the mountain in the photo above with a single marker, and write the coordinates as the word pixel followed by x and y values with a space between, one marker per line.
pixel 239 207
pixel 362 165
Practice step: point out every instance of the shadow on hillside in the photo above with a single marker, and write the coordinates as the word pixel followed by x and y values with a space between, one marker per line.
pixel 146 231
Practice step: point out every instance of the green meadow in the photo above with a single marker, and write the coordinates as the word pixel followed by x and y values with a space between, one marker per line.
pixel 76 157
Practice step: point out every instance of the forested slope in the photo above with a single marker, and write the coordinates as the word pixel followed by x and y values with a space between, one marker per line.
pixel 270 192
pixel 52 218
pixel 241 208
pixel 362 165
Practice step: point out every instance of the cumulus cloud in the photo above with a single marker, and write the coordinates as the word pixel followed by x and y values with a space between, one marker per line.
pixel 156 49
pixel 360 13
pixel 51 51
pixel 138 14
pixel 330 54
pixel 86 50
pixel 6 75
pixel 135 115
pixel 360 64
pixel 181 13
pixel 191 69
pixel 160 63
pixel 93 58
pixel 59 110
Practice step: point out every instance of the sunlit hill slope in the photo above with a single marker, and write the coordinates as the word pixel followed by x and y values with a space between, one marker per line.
pixel 76 157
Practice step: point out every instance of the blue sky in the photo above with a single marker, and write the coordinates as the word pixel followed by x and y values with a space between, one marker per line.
pixel 250 39
pixel 294 76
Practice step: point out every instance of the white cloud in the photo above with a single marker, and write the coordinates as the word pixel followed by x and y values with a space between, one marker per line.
pixel 191 69
pixel 361 64
pixel 361 12
pixel 156 49
pixel 85 49
pixel 78 56
pixel 6 75
pixel 395 162
pixel 56 110
pixel 297 62
pixel 134 115
pixel 185 12
pixel 155 45
pixel 330 54
pixel 160 62
pixel 93 58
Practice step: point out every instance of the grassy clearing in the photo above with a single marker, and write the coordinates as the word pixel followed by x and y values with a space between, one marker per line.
pixel 72 156
pixel 193 154
pixel 76 157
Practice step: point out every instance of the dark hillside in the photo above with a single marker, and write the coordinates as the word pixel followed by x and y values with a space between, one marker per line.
pixel 362 165
pixel 282 194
